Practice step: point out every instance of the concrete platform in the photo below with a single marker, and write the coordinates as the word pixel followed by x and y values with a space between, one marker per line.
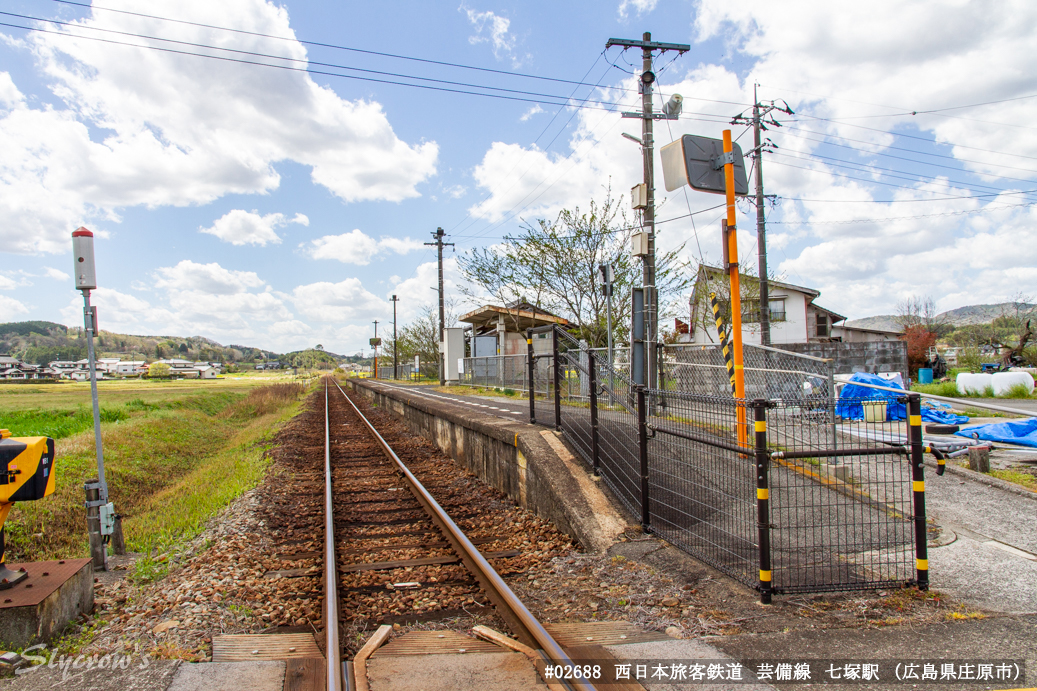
pixel 38 608
pixel 229 676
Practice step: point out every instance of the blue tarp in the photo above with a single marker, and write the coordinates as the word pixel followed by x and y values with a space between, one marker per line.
pixel 849 406
pixel 1022 432
pixel 940 412
pixel 850 397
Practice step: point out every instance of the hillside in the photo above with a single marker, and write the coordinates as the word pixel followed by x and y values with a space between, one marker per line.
pixel 42 342
pixel 960 316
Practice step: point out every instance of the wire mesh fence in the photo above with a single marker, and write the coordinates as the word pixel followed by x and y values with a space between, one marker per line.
pixel 770 373
pixel 498 371
pixel 841 501
pixel 407 372
pixel 778 492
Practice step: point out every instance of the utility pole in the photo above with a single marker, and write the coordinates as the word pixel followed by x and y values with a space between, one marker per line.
pixel 374 342
pixel 439 244
pixel 651 299
pixel 759 111
pixel 395 364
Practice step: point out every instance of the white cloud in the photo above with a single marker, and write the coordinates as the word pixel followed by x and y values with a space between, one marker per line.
pixel 356 247
pixel 174 129
pixel 536 109
pixel 11 309
pixel 239 227
pixel 10 96
pixel 639 6
pixel 206 278
pixel 490 28
pixel 7 283
pixel 347 300
pixel 56 274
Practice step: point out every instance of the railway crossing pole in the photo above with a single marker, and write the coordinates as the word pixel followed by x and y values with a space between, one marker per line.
pixel 439 244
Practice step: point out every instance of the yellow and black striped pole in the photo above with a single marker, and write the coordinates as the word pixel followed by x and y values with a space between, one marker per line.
pixel 763 511
pixel 725 343
pixel 914 436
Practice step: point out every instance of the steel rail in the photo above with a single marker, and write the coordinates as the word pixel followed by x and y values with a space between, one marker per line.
pixel 333 654
pixel 529 631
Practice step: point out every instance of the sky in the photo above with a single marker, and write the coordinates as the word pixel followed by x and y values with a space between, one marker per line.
pixel 267 174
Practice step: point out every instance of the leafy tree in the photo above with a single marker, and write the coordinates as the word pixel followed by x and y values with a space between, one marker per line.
pixel 553 265
pixel 158 370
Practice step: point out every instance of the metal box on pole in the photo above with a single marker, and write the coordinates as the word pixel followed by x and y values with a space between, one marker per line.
pixel 83 254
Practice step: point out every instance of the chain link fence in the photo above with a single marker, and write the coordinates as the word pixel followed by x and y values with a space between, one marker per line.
pixel 495 371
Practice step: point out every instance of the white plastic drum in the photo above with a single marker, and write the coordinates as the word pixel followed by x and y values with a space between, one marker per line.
pixel 1003 381
pixel 974 383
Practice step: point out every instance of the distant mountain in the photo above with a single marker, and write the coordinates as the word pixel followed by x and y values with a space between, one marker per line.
pixel 984 314
pixel 960 316
pixel 882 322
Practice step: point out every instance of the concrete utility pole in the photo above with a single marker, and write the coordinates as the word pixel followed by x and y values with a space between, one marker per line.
pixel 651 299
pixel 395 363
pixel 374 343
pixel 439 244
pixel 759 111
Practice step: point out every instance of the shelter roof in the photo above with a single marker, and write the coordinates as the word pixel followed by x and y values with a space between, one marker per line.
pixel 517 317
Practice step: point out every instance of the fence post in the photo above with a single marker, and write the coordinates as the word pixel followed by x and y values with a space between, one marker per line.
pixel 532 377
pixel 591 368
pixel 642 447
pixel 558 380
pixel 914 435
pixel 763 496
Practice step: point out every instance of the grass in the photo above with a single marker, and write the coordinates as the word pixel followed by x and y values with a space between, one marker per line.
pixel 176 456
pixel 58 424
pixel 1017 477
pixel 950 389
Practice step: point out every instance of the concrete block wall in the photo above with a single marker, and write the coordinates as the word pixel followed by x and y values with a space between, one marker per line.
pixel 873 357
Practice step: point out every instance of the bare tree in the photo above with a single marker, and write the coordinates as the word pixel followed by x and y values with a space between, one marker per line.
pixel 553 265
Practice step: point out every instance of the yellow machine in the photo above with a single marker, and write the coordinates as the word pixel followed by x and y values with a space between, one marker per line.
pixel 26 474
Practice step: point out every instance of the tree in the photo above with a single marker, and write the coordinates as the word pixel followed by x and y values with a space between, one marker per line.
pixel 421 336
pixel 922 326
pixel 158 370
pixel 553 265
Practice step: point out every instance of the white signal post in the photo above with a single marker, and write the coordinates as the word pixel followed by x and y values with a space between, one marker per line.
pixel 99 511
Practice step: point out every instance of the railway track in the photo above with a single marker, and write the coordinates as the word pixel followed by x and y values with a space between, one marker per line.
pixel 391 547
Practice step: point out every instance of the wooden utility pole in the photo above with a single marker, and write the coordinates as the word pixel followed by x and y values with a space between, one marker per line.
pixel 647 116
pixel 439 244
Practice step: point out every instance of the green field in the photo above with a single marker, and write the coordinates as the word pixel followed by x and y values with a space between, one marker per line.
pixel 176 452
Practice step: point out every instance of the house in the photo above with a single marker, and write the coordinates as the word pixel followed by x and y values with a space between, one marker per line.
pixel 131 368
pixel 502 330
pixel 795 316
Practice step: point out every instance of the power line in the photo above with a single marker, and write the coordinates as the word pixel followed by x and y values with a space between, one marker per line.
pixel 323 45
pixel 900 201
pixel 888 172
pixel 294 60
pixel 911 136
pixel 361 50
pixel 905 158
pixel 985 209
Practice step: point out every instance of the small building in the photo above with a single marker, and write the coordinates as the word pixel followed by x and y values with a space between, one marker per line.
pixel 856 334
pixel 131 368
pixel 502 330
pixel 794 316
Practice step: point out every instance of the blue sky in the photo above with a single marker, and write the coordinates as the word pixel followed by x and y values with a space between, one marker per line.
pixel 280 208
